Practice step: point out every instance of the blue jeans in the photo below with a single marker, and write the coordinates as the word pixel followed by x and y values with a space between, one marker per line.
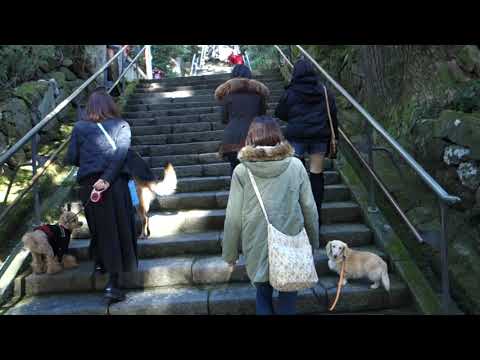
pixel 302 148
pixel 264 305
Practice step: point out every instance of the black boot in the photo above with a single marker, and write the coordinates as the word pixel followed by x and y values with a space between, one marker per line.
pixel 318 188
pixel 99 269
pixel 112 291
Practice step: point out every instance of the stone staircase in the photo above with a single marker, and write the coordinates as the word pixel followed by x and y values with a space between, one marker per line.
pixel 181 270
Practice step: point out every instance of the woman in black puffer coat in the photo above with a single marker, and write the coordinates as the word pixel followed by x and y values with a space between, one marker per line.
pixel 303 106
pixel 242 99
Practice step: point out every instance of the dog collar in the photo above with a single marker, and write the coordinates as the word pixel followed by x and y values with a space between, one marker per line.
pixel 64 230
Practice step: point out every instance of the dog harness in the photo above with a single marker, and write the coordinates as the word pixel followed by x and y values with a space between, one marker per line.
pixel 58 238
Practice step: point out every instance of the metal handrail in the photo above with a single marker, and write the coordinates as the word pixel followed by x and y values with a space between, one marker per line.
pixel 247 60
pixel 443 197
pixel 284 56
pixel 122 75
pixel 381 185
pixel 193 64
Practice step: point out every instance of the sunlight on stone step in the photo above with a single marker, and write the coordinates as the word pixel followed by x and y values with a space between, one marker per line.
pixel 168 224
pixel 215 270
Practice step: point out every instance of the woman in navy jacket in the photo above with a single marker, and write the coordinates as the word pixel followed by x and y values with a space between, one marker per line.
pixel 111 220
pixel 303 106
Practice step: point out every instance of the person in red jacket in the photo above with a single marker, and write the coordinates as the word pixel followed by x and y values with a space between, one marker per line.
pixel 235 59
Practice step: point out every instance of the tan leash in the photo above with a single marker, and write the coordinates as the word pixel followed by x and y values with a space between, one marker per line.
pixel 339 286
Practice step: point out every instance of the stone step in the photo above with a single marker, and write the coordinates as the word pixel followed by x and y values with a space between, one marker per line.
pixel 159 272
pixel 190 221
pixel 200 220
pixel 181 98
pixel 354 235
pixel 223 169
pixel 219 199
pixel 152 120
pixel 219 77
pixel 186 106
pixel 197 92
pixel 178 138
pixel 194 159
pixel 214 169
pixel 222 299
pixel 211 183
pixel 176 128
pixel 156 88
pixel 208 80
pixel 173 116
pixel 206 243
pixel 167 223
pixel 172 112
pixel 152 104
pixel 177 149
pixel 239 299
pixel 186 159
pixel 204 183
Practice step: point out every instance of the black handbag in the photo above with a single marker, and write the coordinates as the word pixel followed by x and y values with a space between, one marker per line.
pixel 137 167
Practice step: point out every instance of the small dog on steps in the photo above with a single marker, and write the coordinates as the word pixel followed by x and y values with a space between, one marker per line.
pixel 358 264
pixel 49 245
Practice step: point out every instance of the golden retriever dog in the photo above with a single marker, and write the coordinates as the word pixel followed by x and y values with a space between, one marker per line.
pixel 48 245
pixel 358 264
pixel 147 191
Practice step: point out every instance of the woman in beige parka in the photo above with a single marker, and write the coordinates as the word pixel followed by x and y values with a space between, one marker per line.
pixel 286 192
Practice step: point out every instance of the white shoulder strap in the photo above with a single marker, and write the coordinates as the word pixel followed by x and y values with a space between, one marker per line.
pixel 252 179
pixel 109 138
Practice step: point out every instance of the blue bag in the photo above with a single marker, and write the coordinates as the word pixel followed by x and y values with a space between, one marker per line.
pixel 133 193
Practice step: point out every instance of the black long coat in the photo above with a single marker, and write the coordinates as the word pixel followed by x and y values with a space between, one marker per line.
pixel 242 100
pixel 303 106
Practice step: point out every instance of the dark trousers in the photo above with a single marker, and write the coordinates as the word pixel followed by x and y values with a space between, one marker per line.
pixel 112 226
pixel 264 302
pixel 233 160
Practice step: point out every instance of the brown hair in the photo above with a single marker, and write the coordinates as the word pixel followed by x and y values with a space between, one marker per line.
pixel 100 106
pixel 264 131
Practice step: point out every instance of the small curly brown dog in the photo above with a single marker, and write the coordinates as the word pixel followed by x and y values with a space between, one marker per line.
pixel 49 244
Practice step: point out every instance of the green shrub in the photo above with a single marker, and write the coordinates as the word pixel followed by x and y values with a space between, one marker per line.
pixel 20 63
pixel 467 98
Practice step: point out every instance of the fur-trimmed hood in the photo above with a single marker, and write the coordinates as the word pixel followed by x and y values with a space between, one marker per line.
pixel 267 161
pixel 266 153
pixel 241 85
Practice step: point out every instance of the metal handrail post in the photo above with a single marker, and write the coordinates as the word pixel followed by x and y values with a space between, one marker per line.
pixel 248 61
pixel 444 259
pixel 105 72
pixel 36 196
pixel 372 207
pixel 124 61
pixel 148 61
pixel 193 64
